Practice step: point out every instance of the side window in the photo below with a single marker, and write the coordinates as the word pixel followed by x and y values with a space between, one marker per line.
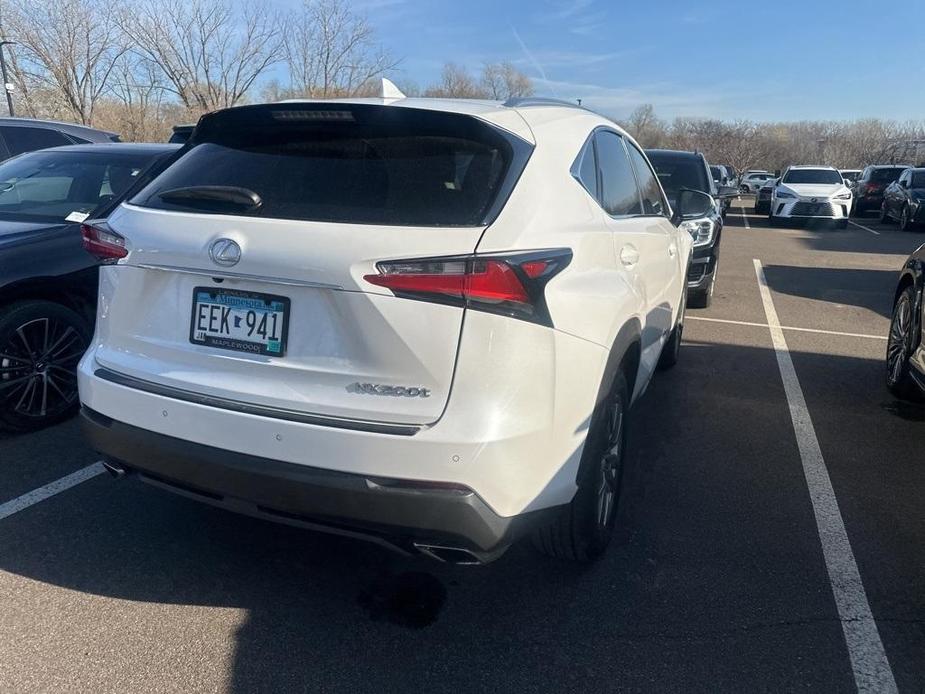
pixel 585 170
pixel 652 200
pixel 619 195
pixel 21 140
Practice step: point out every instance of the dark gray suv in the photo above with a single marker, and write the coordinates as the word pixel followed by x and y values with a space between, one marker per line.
pixel 20 135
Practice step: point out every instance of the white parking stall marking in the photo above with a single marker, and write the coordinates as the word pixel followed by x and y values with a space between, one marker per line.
pixel 836 333
pixel 49 490
pixel 744 218
pixel 871 668
pixel 861 226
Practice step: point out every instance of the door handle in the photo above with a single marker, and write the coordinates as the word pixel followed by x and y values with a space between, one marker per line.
pixel 672 249
pixel 629 256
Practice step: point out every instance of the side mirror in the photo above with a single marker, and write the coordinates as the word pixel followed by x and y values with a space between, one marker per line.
pixel 691 204
pixel 726 192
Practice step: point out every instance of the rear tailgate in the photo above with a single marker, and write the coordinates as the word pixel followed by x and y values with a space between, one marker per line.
pixel 335 202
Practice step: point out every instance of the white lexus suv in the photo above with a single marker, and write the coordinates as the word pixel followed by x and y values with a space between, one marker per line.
pixel 811 192
pixel 419 322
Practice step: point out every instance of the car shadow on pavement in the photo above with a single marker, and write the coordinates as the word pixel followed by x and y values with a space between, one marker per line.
pixel 868 289
pixel 700 592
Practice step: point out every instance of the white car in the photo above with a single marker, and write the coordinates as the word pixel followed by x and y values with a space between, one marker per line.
pixel 420 322
pixel 811 192
pixel 752 181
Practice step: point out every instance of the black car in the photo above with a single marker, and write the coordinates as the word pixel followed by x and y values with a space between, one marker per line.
pixel 48 282
pixel 679 170
pixel 905 358
pixel 20 135
pixel 181 133
pixel 868 189
pixel 763 196
pixel 904 200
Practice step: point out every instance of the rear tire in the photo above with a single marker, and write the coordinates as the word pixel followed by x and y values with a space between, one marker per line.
pixel 900 346
pixel 585 527
pixel 40 345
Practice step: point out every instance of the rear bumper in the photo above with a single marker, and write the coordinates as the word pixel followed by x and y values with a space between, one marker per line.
pixel 403 515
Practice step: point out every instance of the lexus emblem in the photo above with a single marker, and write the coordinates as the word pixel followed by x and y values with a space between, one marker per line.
pixel 225 252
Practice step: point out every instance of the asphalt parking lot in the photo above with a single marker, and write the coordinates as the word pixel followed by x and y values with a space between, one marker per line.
pixel 718 582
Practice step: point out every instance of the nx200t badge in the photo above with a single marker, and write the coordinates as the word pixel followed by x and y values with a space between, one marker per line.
pixel 396 391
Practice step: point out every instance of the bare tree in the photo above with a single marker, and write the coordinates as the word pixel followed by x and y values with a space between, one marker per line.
pixel 68 46
pixel 457 82
pixel 208 51
pixel 331 51
pixel 503 81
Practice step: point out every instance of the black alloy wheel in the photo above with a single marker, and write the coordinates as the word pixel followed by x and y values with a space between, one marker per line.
pixel 584 528
pixel 40 345
pixel 900 346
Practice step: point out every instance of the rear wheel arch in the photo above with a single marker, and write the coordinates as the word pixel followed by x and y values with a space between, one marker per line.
pixel 74 293
pixel 625 355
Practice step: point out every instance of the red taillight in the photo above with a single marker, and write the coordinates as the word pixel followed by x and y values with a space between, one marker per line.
pixel 871 187
pixel 511 284
pixel 103 242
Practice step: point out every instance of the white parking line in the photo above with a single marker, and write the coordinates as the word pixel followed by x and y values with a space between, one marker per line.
pixel 787 327
pixel 36 495
pixel 744 218
pixel 861 226
pixel 871 668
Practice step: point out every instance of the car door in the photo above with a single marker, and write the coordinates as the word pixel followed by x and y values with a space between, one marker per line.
pixel 643 249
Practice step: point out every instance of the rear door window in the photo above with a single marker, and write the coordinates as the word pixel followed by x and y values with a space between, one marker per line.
pixel 653 202
pixel 619 194
pixel 358 164
pixel 20 140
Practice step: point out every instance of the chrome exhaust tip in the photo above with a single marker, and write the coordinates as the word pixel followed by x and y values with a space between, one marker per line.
pixel 449 555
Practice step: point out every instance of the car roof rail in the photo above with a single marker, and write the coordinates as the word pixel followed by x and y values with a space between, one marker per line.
pixel 518 101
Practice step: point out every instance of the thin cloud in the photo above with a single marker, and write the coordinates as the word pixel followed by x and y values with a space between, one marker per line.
pixel 533 61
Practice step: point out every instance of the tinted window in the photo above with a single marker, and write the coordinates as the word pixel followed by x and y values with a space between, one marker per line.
pixel 587 170
pixel 360 165
pixel 717 173
pixel 652 200
pixel 918 179
pixel 51 186
pixel 677 171
pixel 21 140
pixel 820 176
pixel 619 195
pixel 887 175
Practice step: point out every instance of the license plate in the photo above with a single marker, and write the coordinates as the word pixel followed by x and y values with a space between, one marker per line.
pixel 241 321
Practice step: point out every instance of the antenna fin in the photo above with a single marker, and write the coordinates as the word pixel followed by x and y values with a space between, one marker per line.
pixel 388 90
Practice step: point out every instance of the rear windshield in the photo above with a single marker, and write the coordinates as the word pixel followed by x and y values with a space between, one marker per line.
pixel 820 176
pixel 887 175
pixel 57 186
pixel 679 172
pixel 356 164
pixel 918 179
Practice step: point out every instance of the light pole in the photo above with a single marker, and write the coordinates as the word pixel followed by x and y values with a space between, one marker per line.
pixel 7 87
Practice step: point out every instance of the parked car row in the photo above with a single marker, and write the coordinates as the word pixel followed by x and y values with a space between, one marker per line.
pixel 300 301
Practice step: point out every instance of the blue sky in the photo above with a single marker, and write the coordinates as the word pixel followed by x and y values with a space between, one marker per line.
pixel 758 59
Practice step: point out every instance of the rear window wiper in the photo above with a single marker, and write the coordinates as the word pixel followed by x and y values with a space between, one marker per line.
pixel 219 198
